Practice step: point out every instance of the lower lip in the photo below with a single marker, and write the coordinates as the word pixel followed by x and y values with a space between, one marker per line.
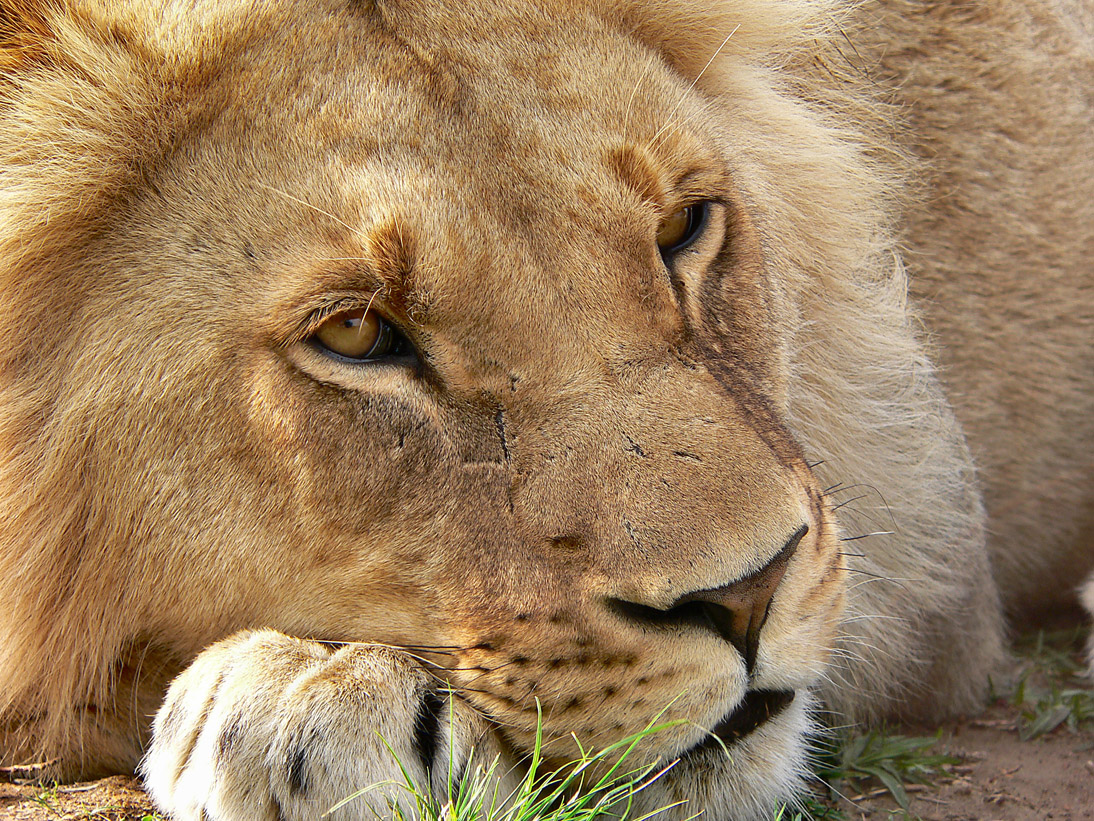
pixel 757 708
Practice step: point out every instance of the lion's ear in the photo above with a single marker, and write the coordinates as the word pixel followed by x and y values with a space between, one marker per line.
pixel 692 34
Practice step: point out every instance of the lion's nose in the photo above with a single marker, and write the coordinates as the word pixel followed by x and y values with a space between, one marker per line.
pixel 736 611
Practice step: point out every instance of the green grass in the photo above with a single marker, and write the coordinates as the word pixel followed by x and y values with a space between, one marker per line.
pixel 811 809
pixel 597 785
pixel 601 785
pixel 854 764
pixel 47 799
pixel 1050 692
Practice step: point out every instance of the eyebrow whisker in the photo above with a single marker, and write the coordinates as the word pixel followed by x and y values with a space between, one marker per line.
pixel 306 204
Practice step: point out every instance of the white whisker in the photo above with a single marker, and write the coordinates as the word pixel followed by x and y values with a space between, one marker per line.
pixel 315 208
pixel 672 114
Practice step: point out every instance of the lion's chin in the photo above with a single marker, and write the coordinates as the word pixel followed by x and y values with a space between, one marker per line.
pixel 751 762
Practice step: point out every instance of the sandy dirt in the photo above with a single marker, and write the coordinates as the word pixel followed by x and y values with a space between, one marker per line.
pixel 1001 778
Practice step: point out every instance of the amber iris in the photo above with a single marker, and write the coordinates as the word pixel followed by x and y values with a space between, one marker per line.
pixel 680 228
pixel 356 334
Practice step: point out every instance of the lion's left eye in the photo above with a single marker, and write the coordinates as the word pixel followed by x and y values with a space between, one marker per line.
pixel 681 229
pixel 359 335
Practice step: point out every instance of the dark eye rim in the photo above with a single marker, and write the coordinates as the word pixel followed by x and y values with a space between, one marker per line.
pixel 698 218
pixel 401 350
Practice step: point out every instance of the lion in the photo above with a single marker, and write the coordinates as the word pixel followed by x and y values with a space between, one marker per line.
pixel 405 378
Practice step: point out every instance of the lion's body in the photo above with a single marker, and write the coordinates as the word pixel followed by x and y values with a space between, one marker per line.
pixel 600 453
pixel 1000 249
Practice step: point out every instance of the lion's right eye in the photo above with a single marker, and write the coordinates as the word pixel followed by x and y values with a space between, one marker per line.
pixel 681 229
pixel 359 335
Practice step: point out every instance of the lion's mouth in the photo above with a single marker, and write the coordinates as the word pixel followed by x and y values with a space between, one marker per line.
pixel 757 708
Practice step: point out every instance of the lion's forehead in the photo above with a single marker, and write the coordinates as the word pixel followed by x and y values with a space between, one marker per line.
pixel 498 153
pixel 518 110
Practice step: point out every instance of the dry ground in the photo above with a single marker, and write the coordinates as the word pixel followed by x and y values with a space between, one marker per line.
pixel 1001 778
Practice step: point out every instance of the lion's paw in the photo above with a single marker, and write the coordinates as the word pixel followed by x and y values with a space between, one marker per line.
pixel 265 726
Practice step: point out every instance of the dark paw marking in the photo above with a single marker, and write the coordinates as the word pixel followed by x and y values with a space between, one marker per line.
pixel 427 726
pixel 172 722
pixel 296 768
pixel 195 732
pixel 229 738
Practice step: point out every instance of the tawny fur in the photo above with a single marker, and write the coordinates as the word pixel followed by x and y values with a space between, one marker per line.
pixel 907 306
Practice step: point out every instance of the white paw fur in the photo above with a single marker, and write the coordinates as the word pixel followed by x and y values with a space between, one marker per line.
pixel 266 726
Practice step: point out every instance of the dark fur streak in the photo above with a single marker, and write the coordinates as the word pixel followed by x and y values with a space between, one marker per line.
pixel 191 743
pixel 458 777
pixel 229 738
pixel 634 447
pixel 366 9
pixel 499 422
pixel 427 725
pixel 296 769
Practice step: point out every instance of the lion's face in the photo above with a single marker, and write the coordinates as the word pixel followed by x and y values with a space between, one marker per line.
pixel 569 451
